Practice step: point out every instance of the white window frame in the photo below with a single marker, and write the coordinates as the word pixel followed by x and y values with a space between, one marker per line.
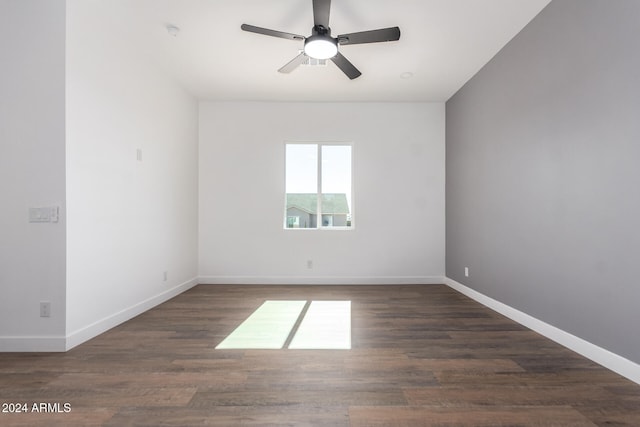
pixel 319 145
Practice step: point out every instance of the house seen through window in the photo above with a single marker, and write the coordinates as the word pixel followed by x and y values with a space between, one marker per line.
pixel 318 186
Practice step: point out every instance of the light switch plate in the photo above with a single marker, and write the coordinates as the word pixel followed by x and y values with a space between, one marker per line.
pixel 44 214
pixel 38 215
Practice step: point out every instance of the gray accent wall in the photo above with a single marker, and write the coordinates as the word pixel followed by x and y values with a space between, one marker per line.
pixel 543 173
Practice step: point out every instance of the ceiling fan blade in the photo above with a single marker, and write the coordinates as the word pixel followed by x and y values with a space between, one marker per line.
pixel 372 36
pixel 294 63
pixel 346 66
pixel 321 10
pixel 272 33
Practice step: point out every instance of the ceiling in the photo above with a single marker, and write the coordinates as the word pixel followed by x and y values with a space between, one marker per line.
pixel 443 44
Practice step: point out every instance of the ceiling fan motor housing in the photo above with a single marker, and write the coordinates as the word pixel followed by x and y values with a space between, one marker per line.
pixel 320 30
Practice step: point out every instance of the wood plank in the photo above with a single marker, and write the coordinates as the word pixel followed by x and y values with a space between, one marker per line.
pixel 477 417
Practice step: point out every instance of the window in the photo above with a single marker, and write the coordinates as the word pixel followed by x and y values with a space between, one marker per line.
pixel 318 186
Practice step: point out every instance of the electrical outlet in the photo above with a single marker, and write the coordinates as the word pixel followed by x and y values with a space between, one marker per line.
pixel 45 309
pixel 466 272
pixel 309 264
pixel 165 275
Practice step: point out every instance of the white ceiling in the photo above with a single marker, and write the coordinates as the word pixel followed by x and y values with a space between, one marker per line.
pixel 443 44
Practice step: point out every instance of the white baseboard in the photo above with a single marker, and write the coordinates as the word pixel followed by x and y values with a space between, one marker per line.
pixel 609 360
pixel 90 331
pixel 321 280
pixel 33 343
pixel 64 343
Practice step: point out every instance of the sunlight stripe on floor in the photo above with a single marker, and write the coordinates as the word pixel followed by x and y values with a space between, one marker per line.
pixel 327 325
pixel 267 328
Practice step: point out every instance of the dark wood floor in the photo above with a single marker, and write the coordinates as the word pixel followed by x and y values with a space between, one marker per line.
pixel 421 356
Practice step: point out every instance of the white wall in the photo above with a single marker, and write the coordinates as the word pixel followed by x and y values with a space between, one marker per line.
pixel 128 221
pixel 32 161
pixel 398 194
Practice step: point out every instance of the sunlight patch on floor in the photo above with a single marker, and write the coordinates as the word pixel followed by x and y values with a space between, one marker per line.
pixel 326 325
pixel 267 328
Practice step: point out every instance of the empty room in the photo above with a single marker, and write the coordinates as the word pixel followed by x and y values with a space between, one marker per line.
pixel 322 213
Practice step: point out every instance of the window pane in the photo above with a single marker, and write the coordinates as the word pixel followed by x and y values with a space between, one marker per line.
pixel 301 186
pixel 336 186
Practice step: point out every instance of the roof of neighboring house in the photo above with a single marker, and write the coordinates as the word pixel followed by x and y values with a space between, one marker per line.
pixel 332 203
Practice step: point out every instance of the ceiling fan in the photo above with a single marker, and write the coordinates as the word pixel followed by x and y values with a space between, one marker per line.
pixel 320 44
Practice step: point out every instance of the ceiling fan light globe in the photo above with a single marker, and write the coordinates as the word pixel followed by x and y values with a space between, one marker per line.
pixel 320 47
